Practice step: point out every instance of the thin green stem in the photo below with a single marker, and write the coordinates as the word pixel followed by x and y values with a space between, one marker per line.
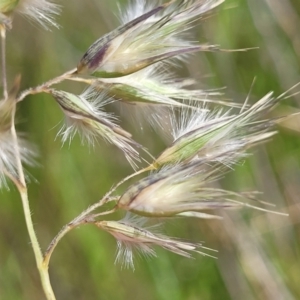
pixel 106 197
pixel 21 185
pixel 3 60
pixel 84 80
pixel 54 243
pixel 43 270
pixel 73 224
pixel 44 87
pixel 65 230
pixel 86 217
pixel 92 217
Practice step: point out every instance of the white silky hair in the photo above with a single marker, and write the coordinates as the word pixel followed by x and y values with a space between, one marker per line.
pixel 42 12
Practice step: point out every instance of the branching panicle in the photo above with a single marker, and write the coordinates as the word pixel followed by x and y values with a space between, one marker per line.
pixel 131 65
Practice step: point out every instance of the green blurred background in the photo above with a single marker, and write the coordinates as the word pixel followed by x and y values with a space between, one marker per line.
pixel 258 253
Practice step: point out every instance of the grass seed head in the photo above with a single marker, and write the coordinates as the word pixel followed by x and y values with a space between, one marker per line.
pixel 145 40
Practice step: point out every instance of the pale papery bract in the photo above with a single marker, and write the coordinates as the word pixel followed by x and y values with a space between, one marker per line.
pixel 132 235
pixel 142 42
pixel 154 85
pixel 180 16
pixel 190 11
pixel 175 189
pixel 198 133
pixel 185 188
pixel 145 96
pixel 85 114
